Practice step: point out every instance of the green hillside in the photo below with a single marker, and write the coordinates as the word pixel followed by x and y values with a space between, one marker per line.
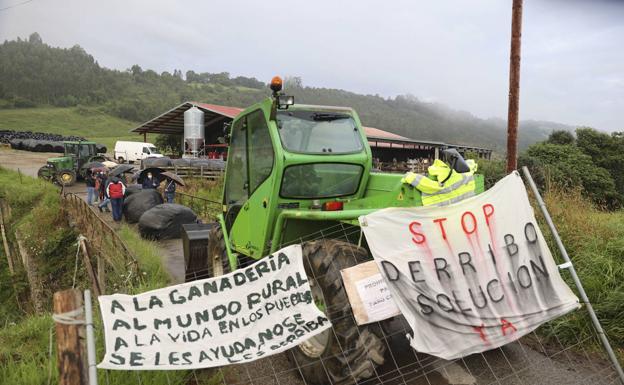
pixel 88 122
pixel 33 73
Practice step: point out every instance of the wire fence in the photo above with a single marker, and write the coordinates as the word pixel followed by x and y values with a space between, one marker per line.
pixel 206 209
pixel 541 357
pixel 377 353
pixel 107 250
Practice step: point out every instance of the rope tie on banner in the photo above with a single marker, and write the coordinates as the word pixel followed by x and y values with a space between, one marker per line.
pixel 70 317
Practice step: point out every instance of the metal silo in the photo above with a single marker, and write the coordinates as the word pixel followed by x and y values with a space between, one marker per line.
pixel 193 131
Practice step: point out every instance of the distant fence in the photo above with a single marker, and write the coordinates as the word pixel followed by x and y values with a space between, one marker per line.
pixel 206 209
pixel 196 172
pixel 111 254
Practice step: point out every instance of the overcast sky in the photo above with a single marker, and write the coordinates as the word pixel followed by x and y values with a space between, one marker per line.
pixel 453 52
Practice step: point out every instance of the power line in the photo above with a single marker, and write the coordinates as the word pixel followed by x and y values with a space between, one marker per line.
pixel 15 5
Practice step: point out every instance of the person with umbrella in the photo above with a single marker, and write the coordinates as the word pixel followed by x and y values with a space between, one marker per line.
pixel 103 182
pixel 149 182
pixel 170 186
pixel 90 182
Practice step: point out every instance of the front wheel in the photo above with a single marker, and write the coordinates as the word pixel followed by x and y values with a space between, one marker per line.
pixel 44 173
pixel 120 160
pixel 66 177
pixel 349 353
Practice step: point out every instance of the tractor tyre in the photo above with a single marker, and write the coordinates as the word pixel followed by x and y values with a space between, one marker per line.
pixel 44 173
pixel 218 262
pixel 66 177
pixel 349 353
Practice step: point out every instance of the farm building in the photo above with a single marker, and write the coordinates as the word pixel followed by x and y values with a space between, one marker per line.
pixel 386 147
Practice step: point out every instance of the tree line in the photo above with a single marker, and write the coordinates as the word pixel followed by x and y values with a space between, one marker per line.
pixel 588 160
pixel 33 73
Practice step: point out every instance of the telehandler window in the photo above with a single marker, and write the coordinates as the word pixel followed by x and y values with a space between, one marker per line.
pixel 320 180
pixel 318 132
pixel 260 150
pixel 236 185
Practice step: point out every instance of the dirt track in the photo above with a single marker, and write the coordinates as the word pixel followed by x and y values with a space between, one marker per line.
pixel 516 363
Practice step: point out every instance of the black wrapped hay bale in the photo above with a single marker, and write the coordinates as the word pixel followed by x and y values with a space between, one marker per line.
pixel 208 164
pixel 165 221
pixel 58 147
pixel 156 162
pixel 138 203
pixel 182 162
pixel 133 189
pixel 16 144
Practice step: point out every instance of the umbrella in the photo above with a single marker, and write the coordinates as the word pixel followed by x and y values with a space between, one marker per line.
pixel 91 165
pixel 110 164
pixel 156 171
pixel 174 177
pixel 121 169
pixel 99 169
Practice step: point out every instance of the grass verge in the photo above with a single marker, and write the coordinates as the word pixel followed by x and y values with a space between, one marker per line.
pixel 27 344
pixel 594 240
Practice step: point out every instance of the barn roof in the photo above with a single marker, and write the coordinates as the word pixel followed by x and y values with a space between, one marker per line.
pixel 172 122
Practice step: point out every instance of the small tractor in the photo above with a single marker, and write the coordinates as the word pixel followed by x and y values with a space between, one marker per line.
pixel 302 174
pixel 66 169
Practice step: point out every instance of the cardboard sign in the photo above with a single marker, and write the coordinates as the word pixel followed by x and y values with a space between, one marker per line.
pixel 251 313
pixel 470 276
pixel 368 293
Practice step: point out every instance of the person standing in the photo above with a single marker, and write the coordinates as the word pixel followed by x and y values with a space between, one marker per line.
pixel 115 192
pixel 170 189
pixel 104 200
pixel 150 182
pixel 90 182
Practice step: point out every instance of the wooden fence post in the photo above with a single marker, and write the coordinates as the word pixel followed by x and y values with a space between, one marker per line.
pixel 89 266
pixel 70 337
pixel 101 272
pixel 5 242
pixel 34 281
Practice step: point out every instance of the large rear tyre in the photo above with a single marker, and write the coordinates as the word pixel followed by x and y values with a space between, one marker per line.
pixel 349 353
pixel 66 177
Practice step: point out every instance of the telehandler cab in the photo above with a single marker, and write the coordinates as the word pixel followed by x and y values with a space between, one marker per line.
pixel 302 174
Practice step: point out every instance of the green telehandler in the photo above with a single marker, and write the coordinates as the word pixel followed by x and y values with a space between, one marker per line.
pixel 302 174
pixel 66 169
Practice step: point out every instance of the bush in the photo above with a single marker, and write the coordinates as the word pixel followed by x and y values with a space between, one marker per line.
pixel 567 167
pixel 561 137
pixel 493 171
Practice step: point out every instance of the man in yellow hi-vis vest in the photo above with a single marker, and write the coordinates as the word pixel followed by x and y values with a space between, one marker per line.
pixel 444 185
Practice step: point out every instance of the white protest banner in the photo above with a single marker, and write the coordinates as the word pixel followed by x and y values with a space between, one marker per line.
pixel 369 296
pixel 242 316
pixel 471 276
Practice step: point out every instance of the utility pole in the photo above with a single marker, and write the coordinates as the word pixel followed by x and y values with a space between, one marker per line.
pixel 514 86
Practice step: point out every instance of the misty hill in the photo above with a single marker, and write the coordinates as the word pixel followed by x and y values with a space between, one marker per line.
pixel 33 73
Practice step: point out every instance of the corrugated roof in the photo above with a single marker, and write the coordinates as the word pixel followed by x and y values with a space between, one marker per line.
pixel 230 112
pixel 381 134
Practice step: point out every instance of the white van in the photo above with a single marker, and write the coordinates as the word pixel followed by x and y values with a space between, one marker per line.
pixel 135 151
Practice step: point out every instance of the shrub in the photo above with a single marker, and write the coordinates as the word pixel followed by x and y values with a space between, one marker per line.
pixel 567 167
